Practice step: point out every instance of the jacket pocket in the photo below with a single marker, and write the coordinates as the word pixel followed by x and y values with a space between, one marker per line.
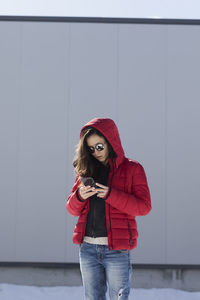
pixel 130 234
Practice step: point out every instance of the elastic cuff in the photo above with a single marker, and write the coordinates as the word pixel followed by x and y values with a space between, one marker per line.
pixel 79 196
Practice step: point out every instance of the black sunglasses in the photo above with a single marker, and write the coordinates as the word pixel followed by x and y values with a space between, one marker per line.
pixel 98 147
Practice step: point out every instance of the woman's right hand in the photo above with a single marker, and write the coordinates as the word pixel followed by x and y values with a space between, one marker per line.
pixel 86 191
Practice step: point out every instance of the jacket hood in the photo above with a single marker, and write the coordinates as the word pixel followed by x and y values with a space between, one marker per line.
pixel 109 129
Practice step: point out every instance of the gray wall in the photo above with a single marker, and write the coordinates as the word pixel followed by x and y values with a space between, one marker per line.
pixel 54 77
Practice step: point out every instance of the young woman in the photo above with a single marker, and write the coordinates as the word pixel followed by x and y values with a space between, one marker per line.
pixel 106 229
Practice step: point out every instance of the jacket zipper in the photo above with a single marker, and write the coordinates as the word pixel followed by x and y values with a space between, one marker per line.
pixel 109 205
pixel 110 229
pixel 130 235
pixel 83 234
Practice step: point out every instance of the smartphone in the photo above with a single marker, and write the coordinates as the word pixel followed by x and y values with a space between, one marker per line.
pixel 89 181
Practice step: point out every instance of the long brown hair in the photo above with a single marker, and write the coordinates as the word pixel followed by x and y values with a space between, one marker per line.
pixel 84 163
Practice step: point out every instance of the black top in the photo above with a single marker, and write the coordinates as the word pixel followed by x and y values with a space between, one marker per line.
pixel 96 220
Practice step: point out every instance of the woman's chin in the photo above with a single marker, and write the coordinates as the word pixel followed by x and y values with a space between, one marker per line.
pixel 101 159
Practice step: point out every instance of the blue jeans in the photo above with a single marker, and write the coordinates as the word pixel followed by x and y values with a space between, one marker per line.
pixel 100 266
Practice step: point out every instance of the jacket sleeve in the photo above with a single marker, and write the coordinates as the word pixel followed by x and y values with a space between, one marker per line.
pixel 138 203
pixel 74 203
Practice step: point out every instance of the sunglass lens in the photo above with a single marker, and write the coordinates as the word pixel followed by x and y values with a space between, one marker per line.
pixel 99 147
pixel 91 149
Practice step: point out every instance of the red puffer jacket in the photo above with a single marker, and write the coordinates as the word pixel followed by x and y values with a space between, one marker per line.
pixel 129 194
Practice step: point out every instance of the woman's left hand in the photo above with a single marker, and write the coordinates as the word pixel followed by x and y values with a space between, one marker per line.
pixel 102 192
